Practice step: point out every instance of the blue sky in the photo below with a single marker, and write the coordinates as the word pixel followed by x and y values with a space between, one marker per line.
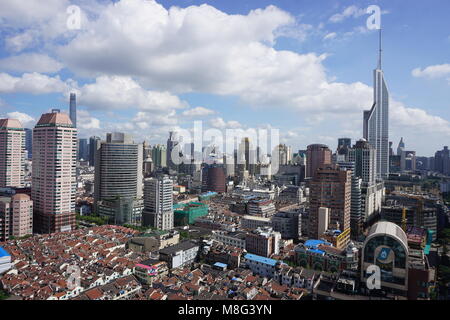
pixel 302 66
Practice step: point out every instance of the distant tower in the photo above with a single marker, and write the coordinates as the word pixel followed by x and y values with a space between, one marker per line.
pixel 401 147
pixel 376 121
pixel 73 109
pixel 172 143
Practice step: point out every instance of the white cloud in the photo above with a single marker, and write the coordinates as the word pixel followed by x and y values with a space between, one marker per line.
pixel 432 72
pixel 115 92
pixel 34 83
pixel 18 42
pixel 198 112
pixel 351 11
pixel 86 122
pixel 219 123
pixel 330 36
pixel 30 62
pixel 24 118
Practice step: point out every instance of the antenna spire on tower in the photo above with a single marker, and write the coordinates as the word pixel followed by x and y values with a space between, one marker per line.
pixel 381 50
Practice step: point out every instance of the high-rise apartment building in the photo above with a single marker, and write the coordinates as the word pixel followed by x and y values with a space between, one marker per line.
pixel 119 179
pixel 317 155
pixel 16 216
pixel 376 121
pixel 54 173
pixel 330 188
pixel 158 203
pixel 12 153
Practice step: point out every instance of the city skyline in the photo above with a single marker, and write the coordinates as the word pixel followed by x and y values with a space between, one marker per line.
pixel 259 79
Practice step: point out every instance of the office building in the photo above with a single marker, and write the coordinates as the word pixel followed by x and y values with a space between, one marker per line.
pixel 213 178
pixel 364 157
pixel 288 223
pixel 330 188
pixel 83 150
pixel 317 155
pixel 442 161
pixel 54 173
pixel 386 246
pixel 158 203
pixel 119 179
pixel 159 156
pixel 94 144
pixel 376 121
pixel 356 216
pixel 12 153
pixel 29 143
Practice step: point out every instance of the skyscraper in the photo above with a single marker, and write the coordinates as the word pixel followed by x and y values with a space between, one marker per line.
pixel 73 109
pixel 94 144
pixel 54 173
pixel 317 155
pixel 83 149
pixel 119 178
pixel 12 153
pixel 442 161
pixel 401 147
pixel 159 156
pixel 372 190
pixel 213 178
pixel 330 188
pixel 158 203
pixel 376 121
pixel 364 157
pixel 29 142
pixel 172 143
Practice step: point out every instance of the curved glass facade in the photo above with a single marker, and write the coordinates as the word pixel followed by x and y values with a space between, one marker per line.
pixel 388 254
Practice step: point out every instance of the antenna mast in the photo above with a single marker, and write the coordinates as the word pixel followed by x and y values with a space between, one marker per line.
pixel 381 51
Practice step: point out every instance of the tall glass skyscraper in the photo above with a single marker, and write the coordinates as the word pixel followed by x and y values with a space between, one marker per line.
pixel 73 109
pixel 376 121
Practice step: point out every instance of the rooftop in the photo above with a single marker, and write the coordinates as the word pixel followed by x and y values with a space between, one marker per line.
pixel 10 124
pixel 4 253
pixel 55 118
pixel 260 259
pixel 186 245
